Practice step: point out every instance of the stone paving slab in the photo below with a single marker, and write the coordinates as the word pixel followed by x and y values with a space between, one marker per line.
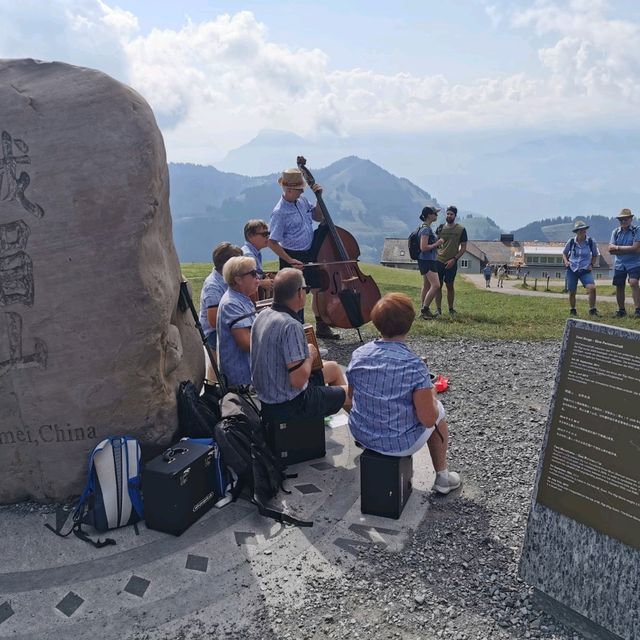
pixel 156 584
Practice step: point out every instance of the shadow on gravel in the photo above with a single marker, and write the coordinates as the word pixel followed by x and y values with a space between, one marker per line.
pixel 454 578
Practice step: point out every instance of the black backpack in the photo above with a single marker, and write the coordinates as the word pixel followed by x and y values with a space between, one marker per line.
pixel 414 243
pixel 198 414
pixel 240 435
pixel 572 244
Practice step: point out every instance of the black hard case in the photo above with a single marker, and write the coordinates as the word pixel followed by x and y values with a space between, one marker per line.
pixel 297 440
pixel 385 483
pixel 178 492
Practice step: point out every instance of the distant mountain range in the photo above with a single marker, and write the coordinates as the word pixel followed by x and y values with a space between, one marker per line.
pixel 513 176
pixel 209 206
pixel 561 228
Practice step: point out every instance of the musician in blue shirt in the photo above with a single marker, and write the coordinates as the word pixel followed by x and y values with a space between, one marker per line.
pixel 212 291
pixel 395 409
pixel 235 317
pixel 292 236
pixel 256 236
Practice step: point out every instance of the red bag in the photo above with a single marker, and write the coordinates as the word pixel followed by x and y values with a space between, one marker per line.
pixel 439 382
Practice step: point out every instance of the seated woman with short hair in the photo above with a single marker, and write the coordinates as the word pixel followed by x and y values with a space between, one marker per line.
pixel 395 409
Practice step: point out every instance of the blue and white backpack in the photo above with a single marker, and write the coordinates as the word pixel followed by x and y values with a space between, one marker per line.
pixel 112 496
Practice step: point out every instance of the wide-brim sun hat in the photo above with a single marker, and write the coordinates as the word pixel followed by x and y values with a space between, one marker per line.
pixel 292 179
pixel 578 225
pixel 625 213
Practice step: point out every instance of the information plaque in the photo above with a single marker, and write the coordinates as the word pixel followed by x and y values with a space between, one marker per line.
pixel 591 467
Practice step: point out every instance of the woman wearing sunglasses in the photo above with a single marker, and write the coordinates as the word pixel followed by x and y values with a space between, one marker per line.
pixel 236 314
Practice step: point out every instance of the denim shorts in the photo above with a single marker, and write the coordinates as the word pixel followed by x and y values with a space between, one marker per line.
pixel 586 277
pixel 620 275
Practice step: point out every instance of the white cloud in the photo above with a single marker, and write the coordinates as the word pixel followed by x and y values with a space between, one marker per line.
pixel 216 83
pixel 595 56
pixel 82 32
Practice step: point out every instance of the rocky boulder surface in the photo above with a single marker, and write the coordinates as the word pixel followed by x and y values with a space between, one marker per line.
pixel 91 341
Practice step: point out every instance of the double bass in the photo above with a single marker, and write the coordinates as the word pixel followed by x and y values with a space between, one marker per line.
pixel 347 296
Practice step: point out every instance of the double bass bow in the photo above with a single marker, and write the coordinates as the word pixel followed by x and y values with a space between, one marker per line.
pixel 349 295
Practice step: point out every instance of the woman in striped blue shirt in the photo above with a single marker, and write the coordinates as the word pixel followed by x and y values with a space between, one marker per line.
pixel 395 409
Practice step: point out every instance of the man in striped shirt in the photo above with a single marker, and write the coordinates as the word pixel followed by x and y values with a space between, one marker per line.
pixel 281 359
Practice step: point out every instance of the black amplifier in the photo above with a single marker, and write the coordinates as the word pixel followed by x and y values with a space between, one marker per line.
pixel 385 483
pixel 179 486
pixel 297 440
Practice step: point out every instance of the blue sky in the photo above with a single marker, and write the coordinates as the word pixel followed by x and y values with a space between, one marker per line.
pixel 216 73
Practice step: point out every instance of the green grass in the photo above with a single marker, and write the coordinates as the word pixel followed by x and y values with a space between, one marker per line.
pixel 603 290
pixel 481 314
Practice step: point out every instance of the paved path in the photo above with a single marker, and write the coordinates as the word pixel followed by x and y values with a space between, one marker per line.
pixel 511 288
pixel 207 581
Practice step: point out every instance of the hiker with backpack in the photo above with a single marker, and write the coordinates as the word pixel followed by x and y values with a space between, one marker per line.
pixel 487 271
pixel 427 260
pixel 580 255
pixel 281 359
pixel 236 314
pixel 625 246
pixel 454 237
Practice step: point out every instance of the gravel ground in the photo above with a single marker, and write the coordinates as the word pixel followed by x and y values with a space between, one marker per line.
pixel 457 575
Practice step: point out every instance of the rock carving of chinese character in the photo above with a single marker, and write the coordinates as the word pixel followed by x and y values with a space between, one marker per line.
pixel 12 185
pixel 13 237
pixel 16 359
pixel 16 279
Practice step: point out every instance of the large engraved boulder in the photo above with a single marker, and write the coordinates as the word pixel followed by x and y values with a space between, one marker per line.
pixel 91 341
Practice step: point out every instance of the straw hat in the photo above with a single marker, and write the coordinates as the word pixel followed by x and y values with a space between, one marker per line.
pixel 292 179
pixel 625 213
pixel 578 225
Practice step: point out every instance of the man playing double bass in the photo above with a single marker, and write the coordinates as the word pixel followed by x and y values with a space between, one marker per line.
pixel 292 236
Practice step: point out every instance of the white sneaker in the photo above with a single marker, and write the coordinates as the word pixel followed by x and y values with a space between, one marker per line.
pixel 445 484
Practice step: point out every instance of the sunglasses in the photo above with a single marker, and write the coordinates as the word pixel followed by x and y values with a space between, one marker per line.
pixel 264 234
pixel 253 273
pixel 306 288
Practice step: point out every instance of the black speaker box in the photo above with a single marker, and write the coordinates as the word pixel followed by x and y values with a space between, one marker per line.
pixel 297 440
pixel 385 483
pixel 178 487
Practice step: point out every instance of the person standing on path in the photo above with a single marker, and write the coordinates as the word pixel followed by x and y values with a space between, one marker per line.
pixel 291 237
pixel 502 272
pixel 580 255
pixel 487 271
pixel 625 246
pixel 427 262
pixel 454 245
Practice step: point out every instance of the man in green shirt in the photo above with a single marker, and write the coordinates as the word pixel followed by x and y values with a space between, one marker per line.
pixel 455 244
